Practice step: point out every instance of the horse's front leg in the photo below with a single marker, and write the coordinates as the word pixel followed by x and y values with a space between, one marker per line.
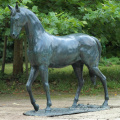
pixel 44 75
pixel 33 74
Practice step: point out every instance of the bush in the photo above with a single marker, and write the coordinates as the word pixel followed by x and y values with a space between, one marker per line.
pixel 104 23
pixel 99 18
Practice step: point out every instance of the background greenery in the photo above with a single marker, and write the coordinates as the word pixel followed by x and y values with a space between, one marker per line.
pixel 99 18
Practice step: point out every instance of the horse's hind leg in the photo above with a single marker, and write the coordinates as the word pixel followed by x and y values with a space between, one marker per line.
pixel 98 73
pixel 32 77
pixel 78 69
pixel 92 77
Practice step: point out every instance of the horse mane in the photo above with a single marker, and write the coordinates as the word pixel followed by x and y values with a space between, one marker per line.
pixel 34 19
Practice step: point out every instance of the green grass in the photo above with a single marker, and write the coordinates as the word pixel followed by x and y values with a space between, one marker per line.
pixel 9 68
pixel 64 80
pixel 111 61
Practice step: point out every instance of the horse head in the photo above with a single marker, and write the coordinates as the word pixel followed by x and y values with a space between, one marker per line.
pixel 18 20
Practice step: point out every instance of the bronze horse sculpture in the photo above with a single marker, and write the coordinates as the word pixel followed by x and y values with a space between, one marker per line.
pixel 46 50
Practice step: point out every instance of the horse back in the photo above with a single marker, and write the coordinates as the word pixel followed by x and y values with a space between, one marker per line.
pixel 69 49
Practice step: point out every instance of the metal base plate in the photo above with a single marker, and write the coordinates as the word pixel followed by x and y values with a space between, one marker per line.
pixel 66 111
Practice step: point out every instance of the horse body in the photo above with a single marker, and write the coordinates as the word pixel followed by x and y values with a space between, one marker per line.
pixel 60 51
pixel 45 50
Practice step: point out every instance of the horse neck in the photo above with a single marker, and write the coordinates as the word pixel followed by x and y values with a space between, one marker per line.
pixel 34 30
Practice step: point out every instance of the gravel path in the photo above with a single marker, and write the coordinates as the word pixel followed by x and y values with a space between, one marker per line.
pixel 12 107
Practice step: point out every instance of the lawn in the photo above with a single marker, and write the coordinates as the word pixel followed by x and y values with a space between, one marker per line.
pixel 64 80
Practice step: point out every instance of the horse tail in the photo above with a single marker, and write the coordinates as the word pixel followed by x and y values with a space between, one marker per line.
pixel 99 46
pixel 93 76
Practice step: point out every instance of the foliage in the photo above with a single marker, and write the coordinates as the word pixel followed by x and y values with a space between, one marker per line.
pixel 4 30
pixel 100 18
pixel 5 26
pixel 104 23
pixel 61 24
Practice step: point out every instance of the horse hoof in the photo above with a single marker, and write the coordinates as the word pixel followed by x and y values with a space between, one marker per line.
pixel 104 105
pixel 36 107
pixel 48 110
pixel 73 106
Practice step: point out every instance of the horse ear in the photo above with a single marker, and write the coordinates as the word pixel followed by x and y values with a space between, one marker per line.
pixel 17 8
pixel 11 8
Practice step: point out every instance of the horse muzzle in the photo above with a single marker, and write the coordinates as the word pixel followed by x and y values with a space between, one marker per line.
pixel 14 36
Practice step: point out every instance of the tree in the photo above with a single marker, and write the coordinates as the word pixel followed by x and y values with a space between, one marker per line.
pixel 26 58
pixel 18 57
pixel 4 54
pixel 5 30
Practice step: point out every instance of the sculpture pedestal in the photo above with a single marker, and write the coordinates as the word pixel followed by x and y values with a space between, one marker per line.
pixel 66 111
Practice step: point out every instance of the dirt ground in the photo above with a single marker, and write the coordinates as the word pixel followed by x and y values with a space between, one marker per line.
pixel 12 107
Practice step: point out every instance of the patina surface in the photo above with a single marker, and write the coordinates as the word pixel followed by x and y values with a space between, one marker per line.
pixel 80 108
pixel 45 50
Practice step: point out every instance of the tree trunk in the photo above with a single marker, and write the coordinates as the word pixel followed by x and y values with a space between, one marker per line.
pixel 4 54
pixel 18 57
pixel 26 57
